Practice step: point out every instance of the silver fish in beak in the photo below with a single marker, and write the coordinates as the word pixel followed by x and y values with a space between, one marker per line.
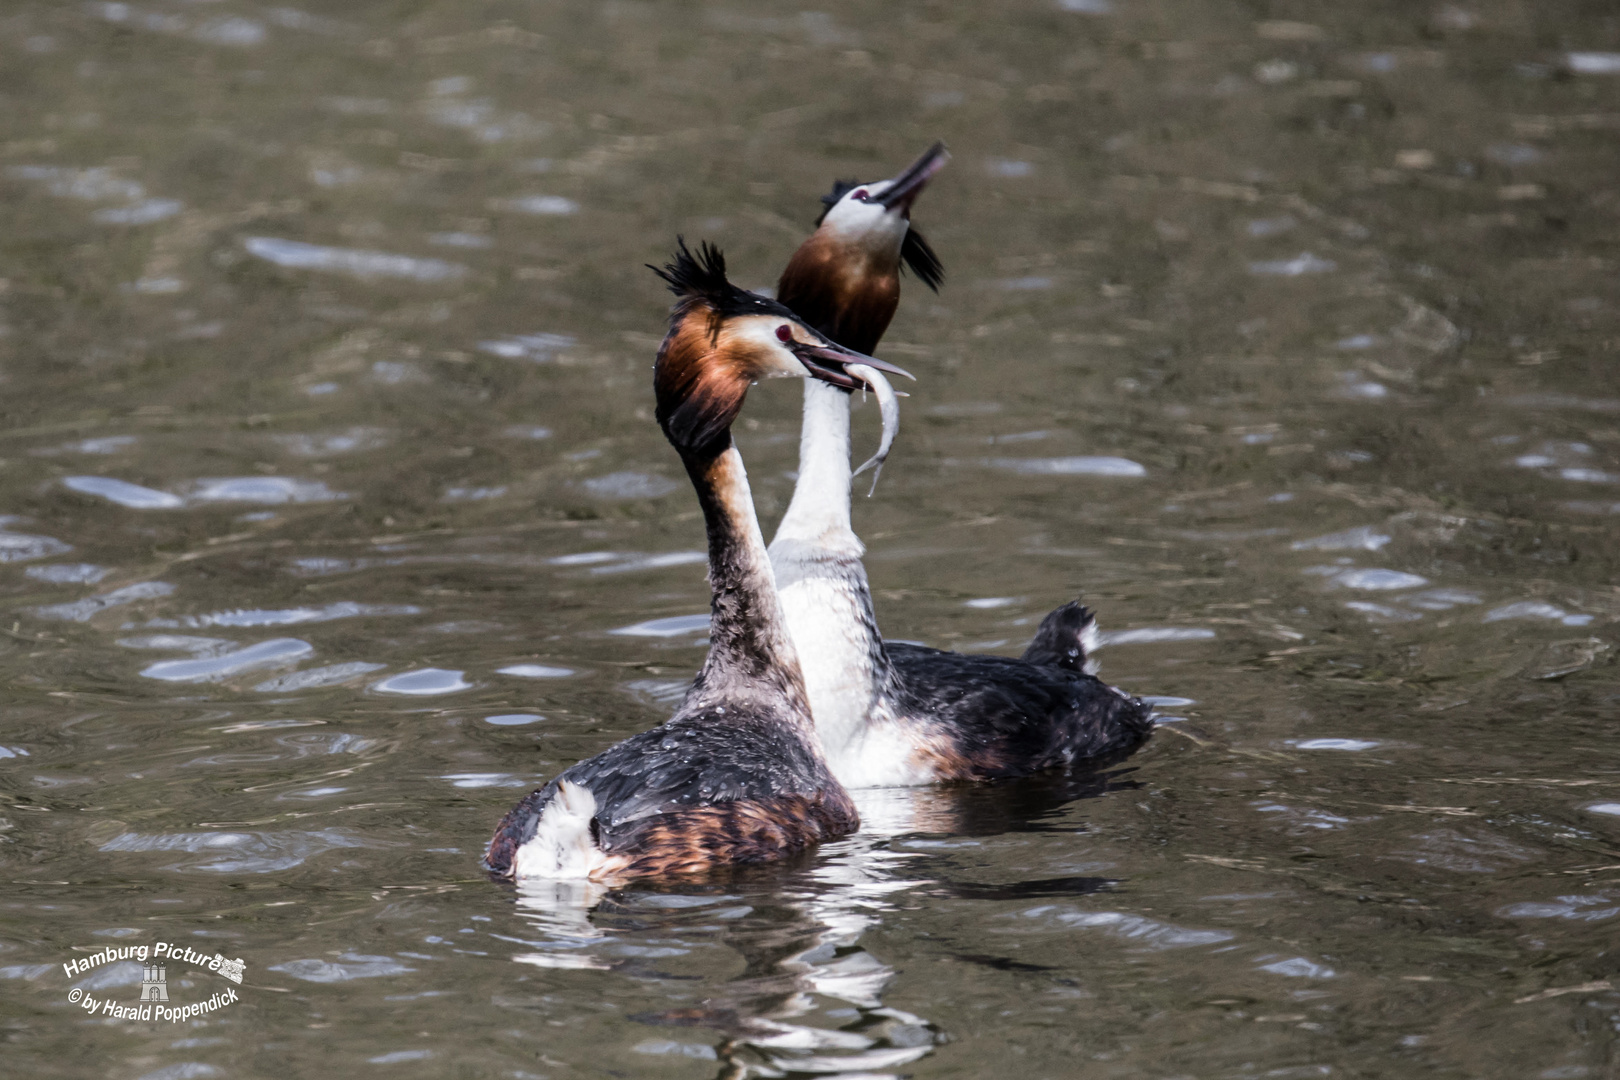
pixel 889 408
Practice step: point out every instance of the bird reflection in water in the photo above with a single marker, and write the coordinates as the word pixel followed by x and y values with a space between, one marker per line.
pixel 798 927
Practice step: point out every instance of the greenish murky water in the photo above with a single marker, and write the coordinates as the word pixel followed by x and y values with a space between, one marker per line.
pixel 335 520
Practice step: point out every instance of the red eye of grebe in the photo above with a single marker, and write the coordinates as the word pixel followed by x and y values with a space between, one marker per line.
pixel 863 194
pixel 783 333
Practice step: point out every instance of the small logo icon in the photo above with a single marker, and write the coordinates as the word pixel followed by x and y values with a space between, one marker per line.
pixel 155 983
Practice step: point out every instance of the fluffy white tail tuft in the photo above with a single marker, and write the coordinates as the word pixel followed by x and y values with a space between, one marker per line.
pixel 562 846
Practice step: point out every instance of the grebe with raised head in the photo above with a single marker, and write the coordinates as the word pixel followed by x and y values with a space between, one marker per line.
pixel 892 714
pixel 736 775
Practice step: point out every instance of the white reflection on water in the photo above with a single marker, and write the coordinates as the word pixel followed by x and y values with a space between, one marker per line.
pixel 104 444
pixel 535 671
pixel 1371 579
pixel 144 212
pixel 84 610
pixel 1303 263
pixel 58 573
pixel 297 255
pixel 331 675
pixel 701 1051
pixel 1301 819
pixel 343 442
pixel 461 240
pixel 101 185
pixel 1298 968
pixel 1270 226
pixel 663 692
pixel 277 652
pixel 1536 609
pixel 1357 388
pixel 674 626
pixel 539 348
pixel 485 780
pixel 540 204
pixel 1577 908
pixel 21 547
pixel 396 1057
pixel 586 558
pixel 1382 612
pixel 123 493
pixel 1144 933
pixel 1360 538
pixel 1336 744
pixel 236 852
pixel 659 561
pixel 1148 635
pixel 1440 599
pixel 270 490
pixel 197 646
pixel 629 485
pixel 347 966
pixel 473 494
pixel 1009 168
pixel 1594 63
pixel 1064 466
pixel 289 616
pixel 423 682
pixel 526 431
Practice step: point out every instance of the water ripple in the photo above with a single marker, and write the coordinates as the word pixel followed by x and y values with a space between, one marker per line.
pixel 674 626
pixel 269 490
pixel 60 573
pixel 1065 466
pixel 123 493
pixel 1360 538
pixel 423 682
pixel 90 606
pixel 20 547
pixel 331 675
pixel 1148 933
pixel 236 852
pixel 352 966
pixel 363 264
pixel 277 652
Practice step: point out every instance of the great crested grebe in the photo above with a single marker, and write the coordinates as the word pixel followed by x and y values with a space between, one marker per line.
pixel 890 714
pixel 736 775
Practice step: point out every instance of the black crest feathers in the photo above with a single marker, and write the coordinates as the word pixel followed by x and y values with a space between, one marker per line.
pixel 919 257
pixel 701 279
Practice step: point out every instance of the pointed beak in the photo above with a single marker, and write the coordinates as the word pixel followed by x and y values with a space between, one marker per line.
pixel 830 362
pixel 904 189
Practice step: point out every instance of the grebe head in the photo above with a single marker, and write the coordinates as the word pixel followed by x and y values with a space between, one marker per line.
pixel 877 215
pixel 721 339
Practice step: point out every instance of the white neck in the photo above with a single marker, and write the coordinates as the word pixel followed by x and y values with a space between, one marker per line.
pixel 825 598
pixel 819 513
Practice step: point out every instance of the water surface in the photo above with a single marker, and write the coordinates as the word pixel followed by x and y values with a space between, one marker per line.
pixel 335 520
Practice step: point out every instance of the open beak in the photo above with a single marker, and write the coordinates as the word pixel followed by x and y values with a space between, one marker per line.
pixel 830 363
pixel 904 189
